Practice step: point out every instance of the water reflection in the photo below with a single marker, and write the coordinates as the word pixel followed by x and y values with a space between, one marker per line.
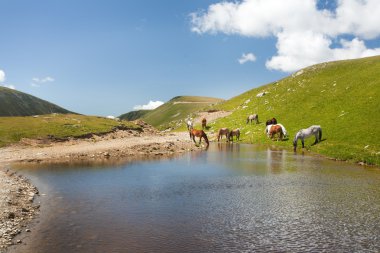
pixel 230 198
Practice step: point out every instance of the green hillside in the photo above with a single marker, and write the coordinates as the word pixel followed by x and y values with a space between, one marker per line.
pixel 133 115
pixel 13 129
pixel 16 103
pixel 178 108
pixel 343 97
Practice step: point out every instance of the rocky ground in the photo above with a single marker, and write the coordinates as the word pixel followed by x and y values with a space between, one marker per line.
pixel 17 194
pixel 16 207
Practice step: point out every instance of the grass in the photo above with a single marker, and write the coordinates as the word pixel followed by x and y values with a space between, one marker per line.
pixel 342 97
pixel 13 129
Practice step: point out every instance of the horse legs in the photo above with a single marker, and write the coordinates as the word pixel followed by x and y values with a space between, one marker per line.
pixel 200 139
pixel 303 143
pixel 316 138
pixel 194 139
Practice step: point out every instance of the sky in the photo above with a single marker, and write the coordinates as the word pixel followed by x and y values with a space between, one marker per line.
pixel 110 57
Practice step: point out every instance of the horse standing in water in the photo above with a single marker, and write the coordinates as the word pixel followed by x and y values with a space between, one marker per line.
pixel 276 129
pixel 198 133
pixel 204 123
pixel 253 117
pixel 272 121
pixel 224 131
pixel 236 133
pixel 306 133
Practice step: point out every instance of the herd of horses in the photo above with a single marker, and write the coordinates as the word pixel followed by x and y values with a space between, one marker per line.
pixel 272 129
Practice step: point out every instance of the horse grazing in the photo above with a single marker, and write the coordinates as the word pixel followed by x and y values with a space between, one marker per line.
pixel 253 117
pixel 198 133
pixel 189 124
pixel 204 123
pixel 276 129
pixel 268 127
pixel 306 133
pixel 233 133
pixel 272 121
pixel 224 131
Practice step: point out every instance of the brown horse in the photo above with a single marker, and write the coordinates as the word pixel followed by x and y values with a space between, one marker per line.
pixel 224 131
pixel 198 133
pixel 204 123
pixel 272 121
pixel 276 129
pixel 236 133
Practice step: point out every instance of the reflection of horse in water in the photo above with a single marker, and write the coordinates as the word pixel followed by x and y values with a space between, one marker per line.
pixel 189 124
pixel 253 117
pixel 198 133
pixel 272 121
pixel 233 133
pixel 276 130
pixel 204 123
pixel 223 131
pixel 306 133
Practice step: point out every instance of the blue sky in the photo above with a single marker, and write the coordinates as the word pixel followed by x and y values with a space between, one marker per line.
pixel 105 57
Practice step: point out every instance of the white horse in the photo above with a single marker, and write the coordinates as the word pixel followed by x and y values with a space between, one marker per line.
pixel 306 133
pixel 253 117
pixel 268 127
pixel 189 124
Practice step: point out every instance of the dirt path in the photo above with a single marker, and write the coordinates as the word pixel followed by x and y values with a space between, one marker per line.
pixel 211 116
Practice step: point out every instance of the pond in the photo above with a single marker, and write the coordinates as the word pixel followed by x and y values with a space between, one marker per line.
pixel 231 198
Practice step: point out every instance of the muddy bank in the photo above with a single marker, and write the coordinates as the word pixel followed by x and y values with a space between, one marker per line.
pixel 17 207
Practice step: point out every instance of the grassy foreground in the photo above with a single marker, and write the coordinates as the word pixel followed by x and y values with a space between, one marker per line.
pixel 13 129
pixel 343 97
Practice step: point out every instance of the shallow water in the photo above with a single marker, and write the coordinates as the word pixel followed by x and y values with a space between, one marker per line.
pixel 232 198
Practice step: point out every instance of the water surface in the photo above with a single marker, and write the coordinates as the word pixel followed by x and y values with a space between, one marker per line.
pixel 232 198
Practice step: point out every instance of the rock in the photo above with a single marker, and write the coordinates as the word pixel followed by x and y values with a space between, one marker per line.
pixel 19 241
pixel 27 230
pixel 11 215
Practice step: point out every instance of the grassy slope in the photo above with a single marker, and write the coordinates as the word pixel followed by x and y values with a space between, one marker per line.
pixel 342 97
pixel 12 129
pixel 16 103
pixel 133 115
pixel 172 112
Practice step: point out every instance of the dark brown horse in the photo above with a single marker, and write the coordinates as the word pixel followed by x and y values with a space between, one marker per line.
pixel 198 133
pixel 204 123
pixel 272 121
pixel 224 131
pixel 276 129
pixel 236 133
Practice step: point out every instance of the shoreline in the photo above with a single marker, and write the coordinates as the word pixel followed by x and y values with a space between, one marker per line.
pixel 17 194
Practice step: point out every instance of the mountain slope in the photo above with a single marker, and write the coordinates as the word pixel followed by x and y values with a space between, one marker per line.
pixel 133 115
pixel 342 97
pixel 177 109
pixel 16 103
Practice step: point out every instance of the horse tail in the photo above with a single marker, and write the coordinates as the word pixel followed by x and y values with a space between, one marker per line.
pixel 205 137
pixel 320 134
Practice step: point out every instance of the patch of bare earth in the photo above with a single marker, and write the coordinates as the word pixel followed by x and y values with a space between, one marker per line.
pixel 211 116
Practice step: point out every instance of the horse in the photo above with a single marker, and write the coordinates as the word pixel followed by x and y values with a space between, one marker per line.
pixel 198 133
pixel 224 131
pixel 306 133
pixel 272 121
pixel 233 133
pixel 253 117
pixel 189 124
pixel 204 122
pixel 276 129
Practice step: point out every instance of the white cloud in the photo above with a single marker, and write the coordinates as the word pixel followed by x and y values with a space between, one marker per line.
pixel 304 33
pixel 246 58
pixel 36 81
pixel 2 76
pixel 150 106
pixel 10 86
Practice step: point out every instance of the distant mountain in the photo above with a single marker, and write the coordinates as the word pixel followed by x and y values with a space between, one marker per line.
pixel 17 103
pixel 175 110
pixel 133 115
